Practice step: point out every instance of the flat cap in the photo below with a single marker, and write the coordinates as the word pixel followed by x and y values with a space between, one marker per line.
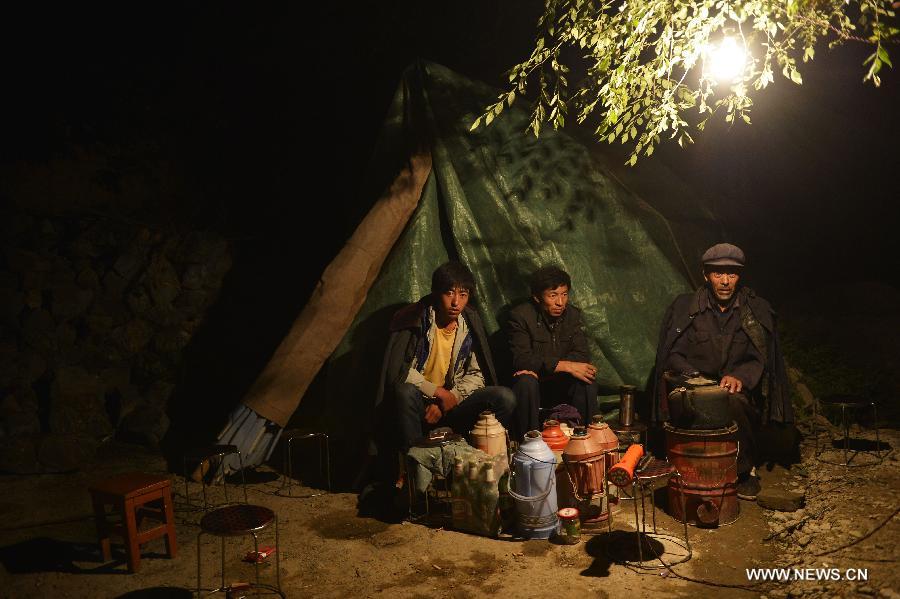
pixel 724 254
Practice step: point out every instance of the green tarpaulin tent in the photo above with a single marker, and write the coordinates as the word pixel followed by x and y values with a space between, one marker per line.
pixel 504 203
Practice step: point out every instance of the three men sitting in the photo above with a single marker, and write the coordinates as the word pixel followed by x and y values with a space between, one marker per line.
pixel 439 372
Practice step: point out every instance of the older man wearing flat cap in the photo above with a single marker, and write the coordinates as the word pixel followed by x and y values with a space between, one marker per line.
pixel 723 331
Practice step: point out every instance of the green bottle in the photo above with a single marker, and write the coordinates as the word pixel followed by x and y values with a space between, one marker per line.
pixel 490 496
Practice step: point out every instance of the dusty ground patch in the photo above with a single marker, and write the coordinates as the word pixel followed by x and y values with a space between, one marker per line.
pixel 48 547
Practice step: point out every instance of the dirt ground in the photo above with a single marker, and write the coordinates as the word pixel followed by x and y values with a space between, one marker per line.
pixel 48 544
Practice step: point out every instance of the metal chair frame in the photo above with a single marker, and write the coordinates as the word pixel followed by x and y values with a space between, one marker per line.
pixel 845 426
pixel 639 483
pixel 287 480
pixel 201 454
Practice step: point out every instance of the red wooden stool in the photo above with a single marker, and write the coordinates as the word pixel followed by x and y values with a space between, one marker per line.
pixel 134 495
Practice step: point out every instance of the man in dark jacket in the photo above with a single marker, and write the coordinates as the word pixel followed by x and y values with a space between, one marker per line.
pixel 725 332
pixel 550 353
pixel 437 366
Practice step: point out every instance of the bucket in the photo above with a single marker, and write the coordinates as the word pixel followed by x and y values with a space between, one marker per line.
pixel 707 461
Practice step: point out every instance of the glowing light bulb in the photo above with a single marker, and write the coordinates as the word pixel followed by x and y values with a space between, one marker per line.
pixel 726 62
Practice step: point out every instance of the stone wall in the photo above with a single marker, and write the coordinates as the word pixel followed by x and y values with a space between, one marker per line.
pixel 94 316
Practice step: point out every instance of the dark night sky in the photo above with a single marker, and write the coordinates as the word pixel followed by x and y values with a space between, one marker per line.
pixel 270 115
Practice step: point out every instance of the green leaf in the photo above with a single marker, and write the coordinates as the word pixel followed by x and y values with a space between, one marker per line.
pixel 795 77
pixel 475 124
pixel 883 55
pixel 746 118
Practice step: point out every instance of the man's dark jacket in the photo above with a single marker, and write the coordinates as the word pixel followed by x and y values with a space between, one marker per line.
pixel 408 336
pixel 758 322
pixel 534 346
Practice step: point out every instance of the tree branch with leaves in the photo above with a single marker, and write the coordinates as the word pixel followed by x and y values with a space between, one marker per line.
pixel 649 66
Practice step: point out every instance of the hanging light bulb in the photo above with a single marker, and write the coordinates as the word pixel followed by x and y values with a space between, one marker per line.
pixel 725 61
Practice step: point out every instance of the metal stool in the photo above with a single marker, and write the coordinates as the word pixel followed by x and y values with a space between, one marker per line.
pixel 132 495
pixel 289 437
pixel 844 402
pixel 653 471
pixel 205 454
pixel 235 521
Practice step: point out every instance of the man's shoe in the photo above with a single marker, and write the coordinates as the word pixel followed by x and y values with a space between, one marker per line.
pixel 748 487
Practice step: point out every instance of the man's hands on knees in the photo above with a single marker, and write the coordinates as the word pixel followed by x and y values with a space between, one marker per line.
pixel 446 399
pixel 733 384
pixel 580 370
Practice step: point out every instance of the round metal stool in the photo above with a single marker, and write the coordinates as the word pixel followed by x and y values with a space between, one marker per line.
pixel 654 470
pixel 206 454
pixel 289 437
pixel 845 403
pixel 235 521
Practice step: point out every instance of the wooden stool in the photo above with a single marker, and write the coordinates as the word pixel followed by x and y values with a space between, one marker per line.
pixel 131 495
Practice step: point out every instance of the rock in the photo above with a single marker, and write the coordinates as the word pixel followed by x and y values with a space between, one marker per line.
pixel 115 378
pixel 104 315
pixel 163 281
pixel 196 276
pixel 139 301
pixel 32 366
pixel 67 351
pixel 159 393
pixel 22 423
pixel 805 396
pixel 192 303
pixel 150 367
pixel 38 331
pixel 64 453
pixel 146 425
pixel 19 455
pixel 171 340
pixel 888 593
pixel 12 302
pixel 69 301
pixel 114 284
pixel 25 261
pixel 129 398
pixel 87 279
pixel 84 245
pixel 129 263
pixel 134 336
pixel 803 540
pixel 18 413
pixel 775 498
pixel 78 404
pixel 34 298
pixel 800 470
